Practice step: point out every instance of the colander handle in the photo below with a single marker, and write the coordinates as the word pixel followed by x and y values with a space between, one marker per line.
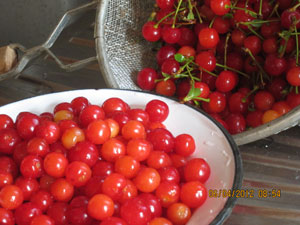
pixel 28 55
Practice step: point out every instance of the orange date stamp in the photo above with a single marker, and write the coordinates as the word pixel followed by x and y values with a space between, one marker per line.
pixel 244 193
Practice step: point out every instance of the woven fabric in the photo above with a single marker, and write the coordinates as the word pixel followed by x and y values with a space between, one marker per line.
pixel 126 49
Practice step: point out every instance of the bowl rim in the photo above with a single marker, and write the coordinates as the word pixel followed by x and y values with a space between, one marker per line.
pixel 238 175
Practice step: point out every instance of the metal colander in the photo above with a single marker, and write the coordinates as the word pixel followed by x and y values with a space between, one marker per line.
pixel 122 52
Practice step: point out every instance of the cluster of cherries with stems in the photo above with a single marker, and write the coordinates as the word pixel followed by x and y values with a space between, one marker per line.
pixel 236 59
pixel 86 164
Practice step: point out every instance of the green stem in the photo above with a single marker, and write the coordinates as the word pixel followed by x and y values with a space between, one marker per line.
pixel 162 19
pixel 297 47
pixel 297 90
pixel 232 69
pixel 226 46
pixel 295 7
pixel 202 99
pixel 254 32
pixel 186 99
pixel 260 8
pixel 210 73
pixel 274 10
pixel 198 14
pixel 256 87
pixel 191 14
pixel 212 22
pixel 196 103
pixel 254 14
pixel 176 13
pixel 262 79
pixel 284 47
pixel 257 63
pixel 192 76
pixel 258 22
pixel 152 16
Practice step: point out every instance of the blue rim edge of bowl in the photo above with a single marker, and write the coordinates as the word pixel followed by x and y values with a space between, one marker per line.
pixel 238 177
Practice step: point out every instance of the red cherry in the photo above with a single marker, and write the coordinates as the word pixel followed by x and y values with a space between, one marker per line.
pixel 162 139
pixel 187 38
pixel 263 100
pixel 9 139
pixel 236 123
pixel 293 76
pixel 158 110
pixel 220 7
pixel 170 66
pixel 150 32
pixel 288 17
pixel 226 81
pixel 293 99
pixel 209 37
pixel 165 53
pixel 254 118
pixel 253 43
pixel 204 89
pixel 165 4
pixel 136 212
pixel 221 25
pixel 217 102
pixel 206 60
pixel 6 122
pixel 171 35
pixel 274 65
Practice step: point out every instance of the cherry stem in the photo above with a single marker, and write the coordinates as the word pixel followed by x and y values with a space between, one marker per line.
pixel 196 103
pixel 286 38
pixel 232 69
pixel 191 8
pixel 254 32
pixel 257 63
pixel 261 76
pixel 258 22
pixel 176 13
pixel 202 99
pixel 152 16
pixel 256 87
pixel 186 99
pixel 198 14
pixel 251 13
pixel 190 75
pixel 297 47
pixel 260 8
pixel 226 47
pixel 205 70
pixel 210 73
pixel 295 7
pixel 297 90
pixel 274 10
pixel 212 22
pixel 162 19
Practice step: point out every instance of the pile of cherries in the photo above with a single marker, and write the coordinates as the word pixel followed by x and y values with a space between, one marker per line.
pixel 236 59
pixel 86 164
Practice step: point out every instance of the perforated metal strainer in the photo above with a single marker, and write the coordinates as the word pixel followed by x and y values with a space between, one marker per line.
pixel 122 52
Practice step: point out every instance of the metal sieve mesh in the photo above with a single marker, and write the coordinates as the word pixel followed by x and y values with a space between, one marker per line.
pixel 125 50
pixel 122 52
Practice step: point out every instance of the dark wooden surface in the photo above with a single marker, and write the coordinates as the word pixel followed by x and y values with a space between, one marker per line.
pixel 272 163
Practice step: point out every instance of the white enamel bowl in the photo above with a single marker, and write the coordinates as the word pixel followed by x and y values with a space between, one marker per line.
pixel 213 143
